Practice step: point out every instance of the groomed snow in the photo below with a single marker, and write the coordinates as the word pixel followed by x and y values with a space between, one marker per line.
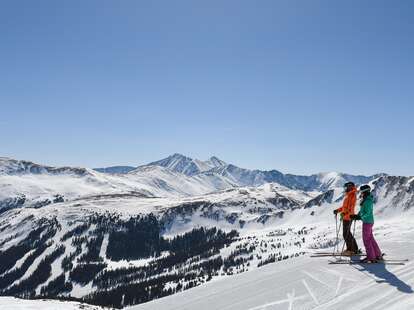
pixel 11 303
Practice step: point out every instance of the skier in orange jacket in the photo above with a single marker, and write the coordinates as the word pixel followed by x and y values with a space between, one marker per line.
pixel 346 211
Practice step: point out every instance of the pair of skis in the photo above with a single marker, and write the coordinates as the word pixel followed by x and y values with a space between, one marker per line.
pixel 329 254
pixel 356 262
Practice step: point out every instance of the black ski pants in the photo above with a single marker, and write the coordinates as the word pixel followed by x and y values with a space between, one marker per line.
pixel 351 244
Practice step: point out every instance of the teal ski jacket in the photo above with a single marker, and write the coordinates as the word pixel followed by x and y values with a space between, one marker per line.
pixel 367 210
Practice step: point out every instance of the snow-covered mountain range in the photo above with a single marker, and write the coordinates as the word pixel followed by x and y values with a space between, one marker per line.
pixel 246 177
pixel 118 237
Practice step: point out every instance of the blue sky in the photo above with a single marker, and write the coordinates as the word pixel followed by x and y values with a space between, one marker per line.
pixel 299 86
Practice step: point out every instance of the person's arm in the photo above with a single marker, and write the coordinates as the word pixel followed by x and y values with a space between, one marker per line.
pixel 341 209
pixel 351 204
pixel 344 207
pixel 364 212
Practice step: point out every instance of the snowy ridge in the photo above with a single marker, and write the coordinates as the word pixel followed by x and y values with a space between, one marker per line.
pixel 246 177
pixel 10 166
pixel 26 184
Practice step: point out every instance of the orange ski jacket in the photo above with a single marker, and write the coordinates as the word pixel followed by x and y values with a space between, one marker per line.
pixel 348 206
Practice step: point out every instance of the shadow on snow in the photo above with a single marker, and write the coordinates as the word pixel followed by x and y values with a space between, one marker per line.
pixel 385 276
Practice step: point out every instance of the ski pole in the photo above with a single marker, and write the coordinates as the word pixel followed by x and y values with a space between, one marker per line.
pixel 353 234
pixel 337 233
pixel 342 250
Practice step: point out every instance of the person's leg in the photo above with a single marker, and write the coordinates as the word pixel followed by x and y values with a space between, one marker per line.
pixel 346 234
pixel 353 243
pixel 367 237
pixel 375 246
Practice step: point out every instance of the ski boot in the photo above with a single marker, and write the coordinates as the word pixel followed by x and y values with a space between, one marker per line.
pixel 368 261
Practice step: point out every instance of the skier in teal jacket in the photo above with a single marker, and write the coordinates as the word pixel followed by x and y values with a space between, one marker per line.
pixel 366 214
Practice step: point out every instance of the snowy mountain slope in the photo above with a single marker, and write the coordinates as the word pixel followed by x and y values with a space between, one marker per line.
pixel 84 240
pixel 176 162
pixel 188 166
pixel 125 239
pixel 317 182
pixel 215 162
pixel 246 177
pixel 84 232
pixel 228 173
pixel 312 283
pixel 115 169
pixel 11 303
pixel 161 180
pixel 26 184
pixel 395 194
pixel 9 166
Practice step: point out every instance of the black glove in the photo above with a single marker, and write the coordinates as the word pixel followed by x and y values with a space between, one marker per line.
pixel 355 217
pixel 335 212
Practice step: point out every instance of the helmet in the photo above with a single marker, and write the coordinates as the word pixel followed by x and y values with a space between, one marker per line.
pixel 348 186
pixel 365 188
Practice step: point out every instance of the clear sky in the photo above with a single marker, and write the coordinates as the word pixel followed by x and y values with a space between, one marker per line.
pixel 299 86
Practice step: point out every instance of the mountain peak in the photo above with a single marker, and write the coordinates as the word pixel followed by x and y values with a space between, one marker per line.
pixel 178 163
pixel 187 165
pixel 216 162
pixel 178 155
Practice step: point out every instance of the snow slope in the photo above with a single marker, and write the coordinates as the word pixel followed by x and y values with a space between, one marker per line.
pixel 312 283
pixel 164 181
pixel 11 303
